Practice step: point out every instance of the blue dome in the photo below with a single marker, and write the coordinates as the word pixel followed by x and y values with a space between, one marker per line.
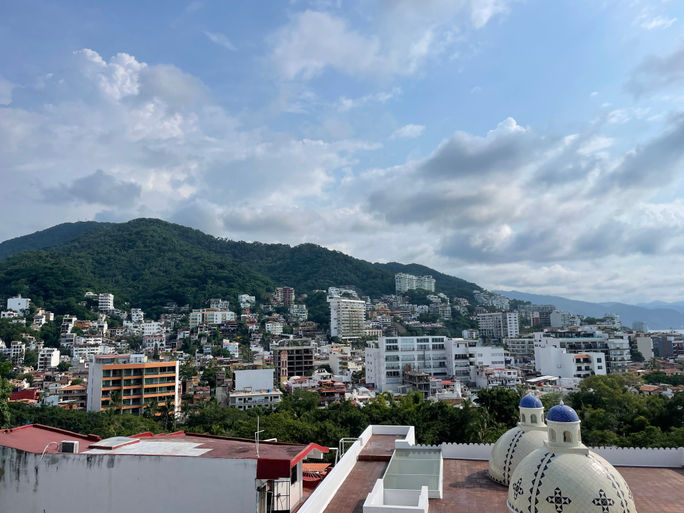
pixel 530 401
pixel 562 413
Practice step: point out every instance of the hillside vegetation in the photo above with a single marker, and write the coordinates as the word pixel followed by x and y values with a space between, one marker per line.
pixel 149 262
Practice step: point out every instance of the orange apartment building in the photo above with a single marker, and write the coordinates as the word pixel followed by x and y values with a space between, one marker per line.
pixel 133 380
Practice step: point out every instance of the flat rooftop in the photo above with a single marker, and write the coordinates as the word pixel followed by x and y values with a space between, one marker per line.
pixel 467 489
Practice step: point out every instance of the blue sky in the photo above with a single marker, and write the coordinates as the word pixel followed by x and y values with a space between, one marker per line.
pixel 521 144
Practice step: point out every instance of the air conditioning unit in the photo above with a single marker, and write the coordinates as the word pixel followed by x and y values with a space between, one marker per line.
pixel 68 446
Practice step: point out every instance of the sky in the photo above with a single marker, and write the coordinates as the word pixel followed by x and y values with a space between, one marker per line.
pixel 522 144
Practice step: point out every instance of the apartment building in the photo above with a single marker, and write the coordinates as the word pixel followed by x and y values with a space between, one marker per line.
pixel 390 357
pixel 133 380
pixel 299 312
pixel 404 282
pixel 284 296
pixel 17 352
pixel 105 302
pixel 615 351
pixel 498 324
pixel 210 316
pixel 347 317
pixel 293 357
pixel 48 358
pixel 520 348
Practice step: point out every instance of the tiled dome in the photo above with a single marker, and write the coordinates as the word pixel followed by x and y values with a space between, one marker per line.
pixel 562 413
pixel 530 401
pixel 564 476
pixel 518 442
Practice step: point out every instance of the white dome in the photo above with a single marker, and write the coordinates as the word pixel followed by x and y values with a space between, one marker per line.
pixel 510 449
pixel 516 443
pixel 566 477
pixel 568 482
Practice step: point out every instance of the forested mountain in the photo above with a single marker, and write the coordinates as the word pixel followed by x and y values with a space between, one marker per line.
pixel 59 234
pixel 149 262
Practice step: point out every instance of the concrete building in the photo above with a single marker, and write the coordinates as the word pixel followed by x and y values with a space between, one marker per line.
pixel 274 328
pixel 347 318
pixel 299 312
pixel 248 399
pixel 559 319
pixel 498 324
pixel 18 304
pixel 134 380
pixel 42 464
pixel 521 348
pixel 210 316
pixel 440 357
pixel 137 315
pixel 48 358
pixel 105 302
pixel 640 326
pixel 551 359
pixel 615 350
pixel 645 347
pixel 284 296
pixel 293 358
pixel 404 282
pixel 17 351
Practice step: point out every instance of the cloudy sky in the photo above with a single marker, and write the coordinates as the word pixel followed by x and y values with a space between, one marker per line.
pixel 523 144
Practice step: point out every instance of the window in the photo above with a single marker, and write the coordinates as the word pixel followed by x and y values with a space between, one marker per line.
pixel 567 437
pixel 523 418
pixel 533 418
pixel 552 434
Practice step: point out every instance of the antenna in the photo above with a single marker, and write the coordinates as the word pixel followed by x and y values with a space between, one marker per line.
pixel 256 436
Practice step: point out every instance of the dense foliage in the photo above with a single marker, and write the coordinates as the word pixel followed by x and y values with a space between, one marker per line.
pixel 611 415
pixel 148 262
pixel 46 238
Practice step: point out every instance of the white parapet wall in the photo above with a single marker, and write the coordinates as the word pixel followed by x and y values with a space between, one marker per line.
pixel 325 491
pixel 617 456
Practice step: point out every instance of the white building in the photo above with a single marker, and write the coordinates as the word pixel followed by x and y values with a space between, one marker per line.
pixel 441 357
pixel 274 328
pixel 550 359
pixel 232 347
pixel 404 282
pixel 299 311
pixel 17 351
pixel 254 388
pixel 210 316
pixel 253 379
pixel 128 473
pixel 561 319
pixel 520 348
pixel 246 301
pixel 105 302
pixel 150 328
pixel 18 304
pixel 48 358
pixel 347 317
pixel 137 315
pixel 499 324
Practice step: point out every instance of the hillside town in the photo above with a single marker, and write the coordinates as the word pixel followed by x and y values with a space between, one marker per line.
pixel 248 353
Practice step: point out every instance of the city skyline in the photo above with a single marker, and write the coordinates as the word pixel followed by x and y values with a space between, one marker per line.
pixel 518 144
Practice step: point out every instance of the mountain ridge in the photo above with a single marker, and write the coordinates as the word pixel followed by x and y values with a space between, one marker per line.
pixel 655 318
pixel 148 262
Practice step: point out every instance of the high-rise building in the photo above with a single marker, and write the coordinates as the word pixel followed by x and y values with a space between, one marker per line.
pixel 347 317
pixel 404 282
pixel 48 358
pixel 133 381
pixel 498 324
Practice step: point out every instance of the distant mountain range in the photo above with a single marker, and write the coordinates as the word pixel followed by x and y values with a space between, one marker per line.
pixel 657 315
pixel 149 262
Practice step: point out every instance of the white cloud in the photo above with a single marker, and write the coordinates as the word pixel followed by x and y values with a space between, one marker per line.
pixel 221 40
pixel 6 88
pixel 401 37
pixel 408 132
pixel 344 104
pixel 657 22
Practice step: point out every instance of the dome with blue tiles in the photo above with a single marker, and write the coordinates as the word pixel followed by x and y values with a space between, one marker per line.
pixel 565 476
pixel 516 443
pixel 562 413
pixel 530 401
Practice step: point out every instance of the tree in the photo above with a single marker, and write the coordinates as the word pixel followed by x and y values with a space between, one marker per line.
pixel 31 358
pixel 5 391
pixel 63 366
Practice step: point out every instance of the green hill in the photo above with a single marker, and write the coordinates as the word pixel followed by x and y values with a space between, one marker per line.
pixel 47 238
pixel 149 262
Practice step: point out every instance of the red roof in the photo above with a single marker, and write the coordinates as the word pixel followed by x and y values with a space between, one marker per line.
pixel 38 438
pixel 28 394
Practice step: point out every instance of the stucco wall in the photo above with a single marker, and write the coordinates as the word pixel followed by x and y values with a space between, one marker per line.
pixel 75 483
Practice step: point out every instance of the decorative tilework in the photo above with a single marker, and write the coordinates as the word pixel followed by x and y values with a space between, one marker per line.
pixel 508 460
pixel 558 500
pixel 603 501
